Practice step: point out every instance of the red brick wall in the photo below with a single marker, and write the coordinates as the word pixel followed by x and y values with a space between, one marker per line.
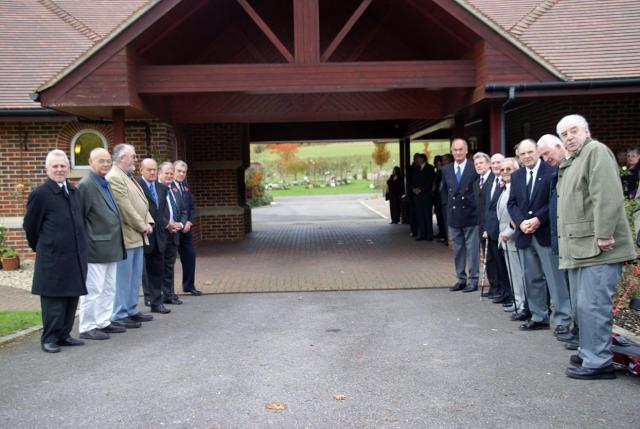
pixel 215 187
pixel 615 121
pixel 23 148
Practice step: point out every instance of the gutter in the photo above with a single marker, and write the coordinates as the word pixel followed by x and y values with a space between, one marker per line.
pixel 30 112
pixel 550 86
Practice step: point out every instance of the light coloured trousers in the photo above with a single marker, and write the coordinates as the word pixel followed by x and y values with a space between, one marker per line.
pixel 96 307
pixel 516 277
pixel 594 287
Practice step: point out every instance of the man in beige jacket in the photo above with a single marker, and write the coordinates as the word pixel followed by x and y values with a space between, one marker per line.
pixel 137 223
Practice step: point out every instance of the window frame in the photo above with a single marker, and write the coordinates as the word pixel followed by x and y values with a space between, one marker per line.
pixel 73 146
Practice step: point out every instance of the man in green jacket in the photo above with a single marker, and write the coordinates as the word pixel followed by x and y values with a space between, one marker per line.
pixel 594 240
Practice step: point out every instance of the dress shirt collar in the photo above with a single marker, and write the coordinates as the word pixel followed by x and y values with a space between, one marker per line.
pixel 462 166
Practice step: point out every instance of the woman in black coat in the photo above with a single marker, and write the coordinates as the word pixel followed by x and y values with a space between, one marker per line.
pixel 55 231
pixel 395 191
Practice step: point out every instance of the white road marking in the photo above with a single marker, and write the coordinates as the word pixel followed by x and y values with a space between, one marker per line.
pixel 373 210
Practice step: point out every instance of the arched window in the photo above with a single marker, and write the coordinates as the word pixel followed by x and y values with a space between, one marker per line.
pixel 82 144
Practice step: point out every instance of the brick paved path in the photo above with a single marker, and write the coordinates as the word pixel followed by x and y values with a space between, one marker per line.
pixel 324 256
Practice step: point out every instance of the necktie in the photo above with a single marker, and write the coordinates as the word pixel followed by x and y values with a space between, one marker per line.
pixel 530 184
pixel 154 194
pixel 458 174
pixel 174 207
pixel 180 187
pixel 65 190
pixel 481 181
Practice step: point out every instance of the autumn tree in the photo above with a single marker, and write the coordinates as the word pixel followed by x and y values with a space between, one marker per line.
pixel 380 154
pixel 286 157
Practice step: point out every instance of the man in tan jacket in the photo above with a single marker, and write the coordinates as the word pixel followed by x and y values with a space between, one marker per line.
pixel 594 240
pixel 137 223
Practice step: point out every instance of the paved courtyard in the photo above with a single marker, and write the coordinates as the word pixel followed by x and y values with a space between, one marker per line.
pixel 323 243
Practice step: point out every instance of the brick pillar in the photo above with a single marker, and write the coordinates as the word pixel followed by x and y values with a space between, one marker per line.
pixel 215 158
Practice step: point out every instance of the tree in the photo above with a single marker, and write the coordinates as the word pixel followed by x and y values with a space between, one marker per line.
pixel 380 154
pixel 287 157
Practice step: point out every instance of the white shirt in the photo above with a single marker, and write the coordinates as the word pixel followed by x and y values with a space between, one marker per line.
pixel 535 174
pixel 484 177
pixel 494 185
pixel 461 165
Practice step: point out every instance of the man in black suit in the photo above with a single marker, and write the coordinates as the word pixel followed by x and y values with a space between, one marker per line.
pixel 529 209
pixel 55 231
pixel 422 188
pixel 177 219
pixel 437 199
pixel 496 263
pixel 458 178
pixel 481 163
pixel 413 210
pixel 156 193
pixel 186 250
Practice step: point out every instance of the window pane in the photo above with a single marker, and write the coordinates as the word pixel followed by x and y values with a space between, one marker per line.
pixel 85 143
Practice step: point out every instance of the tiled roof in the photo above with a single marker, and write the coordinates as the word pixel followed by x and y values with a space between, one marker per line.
pixel 39 38
pixel 582 39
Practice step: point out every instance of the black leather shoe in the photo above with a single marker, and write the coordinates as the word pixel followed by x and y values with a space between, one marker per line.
pixel 160 309
pixel 194 292
pixel 575 360
pixel 561 330
pixel 70 341
pixel 174 301
pixel 127 323
pixel 520 316
pixel 573 345
pixel 139 317
pixel 50 348
pixel 499 299
pixel 470 289
pixel 533 326
pixel 458 286
pixel 113 329
pixel 582 373
pixel 94 334
pixel 566 338
pixel 486 295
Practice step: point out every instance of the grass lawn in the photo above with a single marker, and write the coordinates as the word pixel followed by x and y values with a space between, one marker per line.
pixel 13 321
pixel 355 187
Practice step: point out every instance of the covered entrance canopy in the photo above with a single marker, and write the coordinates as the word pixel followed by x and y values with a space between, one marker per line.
pixel 225 72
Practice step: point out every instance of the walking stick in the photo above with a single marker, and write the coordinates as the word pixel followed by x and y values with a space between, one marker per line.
pixel 484 267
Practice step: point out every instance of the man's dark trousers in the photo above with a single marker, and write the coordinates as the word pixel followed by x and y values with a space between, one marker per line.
pixel 58 314
pixel 170 255
pixel 188 260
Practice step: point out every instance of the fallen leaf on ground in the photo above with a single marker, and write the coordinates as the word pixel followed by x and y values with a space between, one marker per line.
pixel 338 397
pixel 276 406
pixel 208 282
pixel 359 355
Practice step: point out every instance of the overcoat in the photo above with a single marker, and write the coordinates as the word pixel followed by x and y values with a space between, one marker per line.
pixel 591 206
pixel 55 231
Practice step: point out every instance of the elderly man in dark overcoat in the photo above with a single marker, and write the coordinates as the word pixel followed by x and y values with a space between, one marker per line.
pixel 55 231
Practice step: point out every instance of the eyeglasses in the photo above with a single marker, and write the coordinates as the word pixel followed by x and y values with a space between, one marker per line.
pixel 505 170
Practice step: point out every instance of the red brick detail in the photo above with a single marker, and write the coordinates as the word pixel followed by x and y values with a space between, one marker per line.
pixel 219 228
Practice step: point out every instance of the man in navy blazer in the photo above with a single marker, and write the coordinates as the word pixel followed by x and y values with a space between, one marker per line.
pixel 186 248
pixel 529 209
pixel 458 178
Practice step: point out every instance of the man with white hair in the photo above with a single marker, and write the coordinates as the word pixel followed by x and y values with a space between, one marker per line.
pixel 137 224
pixel 594 240
pixel 55 231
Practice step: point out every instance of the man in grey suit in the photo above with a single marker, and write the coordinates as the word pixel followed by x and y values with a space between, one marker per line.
pixel 106 247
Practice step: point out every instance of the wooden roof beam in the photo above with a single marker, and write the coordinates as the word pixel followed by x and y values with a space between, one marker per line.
pixel 286 78
pixel 306 31
pixel 345 30
pixel 266 30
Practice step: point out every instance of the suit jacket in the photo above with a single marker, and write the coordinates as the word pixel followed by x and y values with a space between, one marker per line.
pixel 461 203
pixel 522 208
pixel 55 231
pixel 181 212
pixel 187 199
pixel 133 206
pixel 482 197
pixel 492 224
pixel 102 223
pixel 423 178
pixel 502 211
pixel 158 238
